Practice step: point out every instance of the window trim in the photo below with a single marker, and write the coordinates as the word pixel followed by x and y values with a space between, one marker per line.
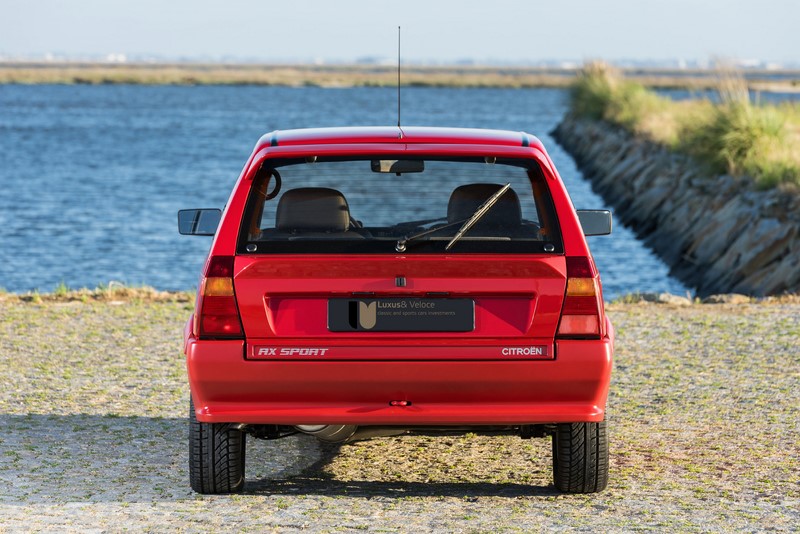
pixel 543 202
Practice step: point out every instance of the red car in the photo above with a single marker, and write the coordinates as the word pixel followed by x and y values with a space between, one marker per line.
pixel 381 281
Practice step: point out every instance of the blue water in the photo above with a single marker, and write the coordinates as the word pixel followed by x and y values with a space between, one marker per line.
pixel 756 97
pixel 91 177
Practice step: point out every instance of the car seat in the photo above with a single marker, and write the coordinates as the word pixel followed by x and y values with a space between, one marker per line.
pixel 311 212
pixel 504 218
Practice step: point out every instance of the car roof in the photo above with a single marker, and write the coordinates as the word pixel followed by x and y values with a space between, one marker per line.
pixel 402 135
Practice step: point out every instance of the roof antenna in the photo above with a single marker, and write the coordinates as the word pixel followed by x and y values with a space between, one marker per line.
pixel 398 82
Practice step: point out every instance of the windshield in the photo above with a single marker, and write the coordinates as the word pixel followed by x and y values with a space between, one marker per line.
pixel 362 205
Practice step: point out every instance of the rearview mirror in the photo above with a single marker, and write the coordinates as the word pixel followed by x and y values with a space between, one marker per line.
pixel 595 222
pixel 199 221
pixel 397 166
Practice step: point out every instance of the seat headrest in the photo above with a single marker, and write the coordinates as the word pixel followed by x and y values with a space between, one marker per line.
pixel 466 199
pixel 316 209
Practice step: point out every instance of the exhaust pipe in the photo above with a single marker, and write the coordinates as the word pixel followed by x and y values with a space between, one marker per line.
pixel 329 433
pixel 349 433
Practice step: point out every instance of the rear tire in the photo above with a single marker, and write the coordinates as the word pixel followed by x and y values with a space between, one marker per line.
pixel 580 457
pixel 216 456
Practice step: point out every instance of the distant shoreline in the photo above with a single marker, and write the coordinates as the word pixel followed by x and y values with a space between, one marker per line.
pixel 188 74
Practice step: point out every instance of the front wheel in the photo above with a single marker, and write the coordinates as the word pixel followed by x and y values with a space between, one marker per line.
pixel 216 456
pixel 580 457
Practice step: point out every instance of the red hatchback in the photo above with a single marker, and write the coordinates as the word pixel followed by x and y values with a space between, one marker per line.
pixel 381 281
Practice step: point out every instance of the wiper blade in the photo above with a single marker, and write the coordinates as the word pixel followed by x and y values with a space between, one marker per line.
pixel 401 243
pixel 480 212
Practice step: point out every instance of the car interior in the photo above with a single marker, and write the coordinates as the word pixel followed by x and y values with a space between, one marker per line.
pixel 424 209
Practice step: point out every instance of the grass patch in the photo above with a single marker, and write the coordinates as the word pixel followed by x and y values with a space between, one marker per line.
pixel 702 416
pixel 190 74
pixel 733 136
pixel 113 292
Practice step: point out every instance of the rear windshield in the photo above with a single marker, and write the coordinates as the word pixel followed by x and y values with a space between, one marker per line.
pixel 386 206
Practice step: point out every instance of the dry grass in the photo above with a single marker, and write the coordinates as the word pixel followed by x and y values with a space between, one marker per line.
pixel 702 418
pixel 282 75
pixel 349 75
pixel 733 136
pixel 113 292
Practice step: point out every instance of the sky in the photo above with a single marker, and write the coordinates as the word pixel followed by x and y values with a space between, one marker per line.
pixel 443 31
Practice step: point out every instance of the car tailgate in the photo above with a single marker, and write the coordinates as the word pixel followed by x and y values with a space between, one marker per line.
pixel 406 307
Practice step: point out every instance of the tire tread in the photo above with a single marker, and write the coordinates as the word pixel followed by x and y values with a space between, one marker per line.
pixel 580 457
pixel 216 456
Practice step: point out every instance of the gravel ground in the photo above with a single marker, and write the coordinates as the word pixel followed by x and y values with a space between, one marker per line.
pixel 703 422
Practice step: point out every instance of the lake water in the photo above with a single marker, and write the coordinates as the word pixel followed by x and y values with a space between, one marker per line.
pixel 91 177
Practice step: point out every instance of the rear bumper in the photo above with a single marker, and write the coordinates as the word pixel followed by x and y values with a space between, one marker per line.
pixel 228 388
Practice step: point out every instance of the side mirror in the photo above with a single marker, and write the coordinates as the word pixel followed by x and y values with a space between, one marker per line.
pixel 595 222
pixel 199 221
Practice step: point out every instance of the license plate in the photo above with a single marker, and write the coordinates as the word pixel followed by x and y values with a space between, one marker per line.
pixel 401 315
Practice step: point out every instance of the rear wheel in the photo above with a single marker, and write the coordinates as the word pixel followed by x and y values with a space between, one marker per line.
pixel 580 457
pixel 216 456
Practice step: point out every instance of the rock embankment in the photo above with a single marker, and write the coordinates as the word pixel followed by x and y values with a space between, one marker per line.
pixel 716 233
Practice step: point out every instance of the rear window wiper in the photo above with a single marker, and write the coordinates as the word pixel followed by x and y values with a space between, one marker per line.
pixel 480 212
pixel 405 240
pixel 466 223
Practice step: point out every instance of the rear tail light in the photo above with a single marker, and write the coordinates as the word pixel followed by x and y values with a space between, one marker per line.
pixel 217 314
pixel 580 316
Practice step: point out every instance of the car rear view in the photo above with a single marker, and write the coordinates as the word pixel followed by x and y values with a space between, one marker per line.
pixel 375 281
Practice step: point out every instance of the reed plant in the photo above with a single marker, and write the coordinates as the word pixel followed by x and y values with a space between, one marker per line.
pixel 732 135
pixel 740 138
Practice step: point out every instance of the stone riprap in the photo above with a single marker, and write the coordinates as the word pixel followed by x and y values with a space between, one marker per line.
pixel 717 233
